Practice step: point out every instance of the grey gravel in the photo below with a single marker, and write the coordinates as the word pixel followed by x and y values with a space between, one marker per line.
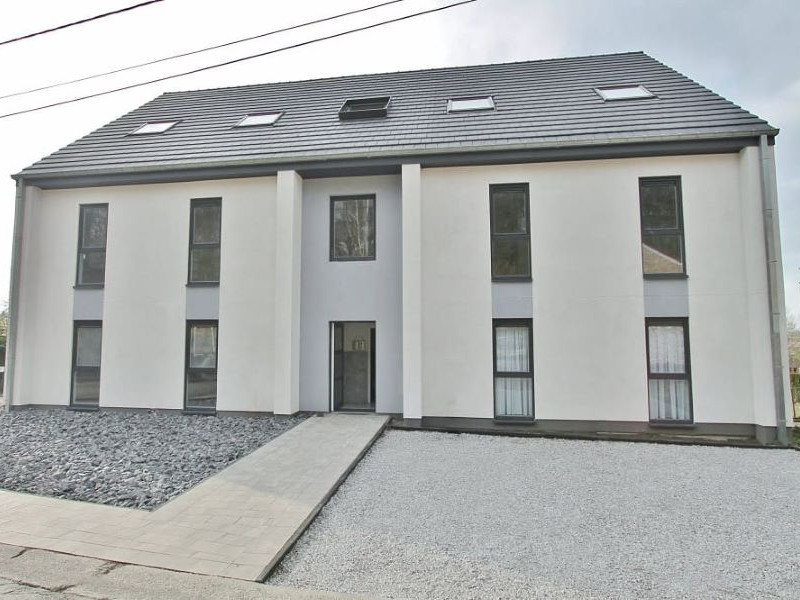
pixel 436 515
pixel 131 459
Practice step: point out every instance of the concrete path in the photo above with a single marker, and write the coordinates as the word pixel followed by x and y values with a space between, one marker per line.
pixel 44 575
pixel 236 524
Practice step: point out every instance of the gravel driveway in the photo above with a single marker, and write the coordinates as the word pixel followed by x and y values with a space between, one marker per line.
pixel 435 515
pixel 133 459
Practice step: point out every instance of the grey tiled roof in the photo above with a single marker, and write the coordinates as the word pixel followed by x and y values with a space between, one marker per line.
pixel 539 104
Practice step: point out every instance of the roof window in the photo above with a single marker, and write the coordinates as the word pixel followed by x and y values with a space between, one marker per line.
pixel 154 127
pixel 262 118
pixel 469 104
pixel 364 108
pixel 623 92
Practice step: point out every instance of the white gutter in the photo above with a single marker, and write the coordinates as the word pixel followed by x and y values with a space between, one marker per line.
pixel 13 299
pixel 777 320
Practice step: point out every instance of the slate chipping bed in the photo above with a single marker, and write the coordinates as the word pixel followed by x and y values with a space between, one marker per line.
pixel 130 459
pixel 436 515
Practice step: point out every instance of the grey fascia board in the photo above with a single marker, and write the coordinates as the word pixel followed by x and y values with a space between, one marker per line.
pixel 389 162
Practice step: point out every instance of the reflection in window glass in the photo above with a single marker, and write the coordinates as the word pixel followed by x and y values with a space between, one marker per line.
pixel 92 245
pixel 662 226
pixel 201 366
pixel 204 241
pixel 511 240
pixel 353 228
pixel 86 364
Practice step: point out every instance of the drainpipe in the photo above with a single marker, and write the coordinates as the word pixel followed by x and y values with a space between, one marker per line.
pixel 772 242
pixel 13 300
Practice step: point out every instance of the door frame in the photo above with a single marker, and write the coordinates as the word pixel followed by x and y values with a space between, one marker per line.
pixel 373 363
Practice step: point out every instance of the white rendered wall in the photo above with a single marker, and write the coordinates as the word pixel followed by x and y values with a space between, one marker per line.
pixel 351 290
pixel 247 295
pixel 44 359
pixel 588 309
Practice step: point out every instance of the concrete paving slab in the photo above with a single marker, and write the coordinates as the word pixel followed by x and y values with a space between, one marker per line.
pixel 50 570
pixel 143 583
pixel 253 510
pixel 8 551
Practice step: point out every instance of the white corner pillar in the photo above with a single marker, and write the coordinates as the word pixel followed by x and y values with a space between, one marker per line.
pixel 288 237
pixel 412 291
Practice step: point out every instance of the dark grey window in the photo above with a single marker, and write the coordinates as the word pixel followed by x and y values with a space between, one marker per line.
pixel 513 368
pixel 201 366
pixel 353 227
pixel 509 209
pixel 92 233
pixel 668 370
pixel 662 226
pixel 204 240
pixel 87 347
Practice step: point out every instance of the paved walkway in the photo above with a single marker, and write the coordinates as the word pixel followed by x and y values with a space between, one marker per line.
pixel 44 575
pixel 236 524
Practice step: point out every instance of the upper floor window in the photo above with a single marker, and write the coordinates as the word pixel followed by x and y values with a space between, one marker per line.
pixel 92 245
pixel 353 228
pixel 669 382
pixel 662 226
pixel 204 240
pixel 509 210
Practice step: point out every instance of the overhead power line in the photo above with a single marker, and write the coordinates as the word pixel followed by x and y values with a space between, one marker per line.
pixel 87 20
pixel 238 60
pixel 201 50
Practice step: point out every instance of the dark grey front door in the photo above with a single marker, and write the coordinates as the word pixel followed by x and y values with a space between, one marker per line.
pixel 353 365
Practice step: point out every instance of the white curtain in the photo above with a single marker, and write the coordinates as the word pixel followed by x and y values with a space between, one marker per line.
pixel 666 349
pixel 669 398
pixel 513 395
pixel 512 349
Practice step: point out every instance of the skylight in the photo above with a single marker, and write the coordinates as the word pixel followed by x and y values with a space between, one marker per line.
pixel 623 92
pixel 467 104
pixel 255 119
pixel 154 127
pixel 363 108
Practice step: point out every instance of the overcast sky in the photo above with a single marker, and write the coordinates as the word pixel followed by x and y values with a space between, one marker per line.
pixel 745 50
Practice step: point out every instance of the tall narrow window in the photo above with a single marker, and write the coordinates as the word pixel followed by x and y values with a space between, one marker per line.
pixel 201 366
pixel 662 226
pixel 86 350
pixel 668 370
pixel 204 240
pixel 509 213
pixel 513 368
pixel 92 245
pixel 353 227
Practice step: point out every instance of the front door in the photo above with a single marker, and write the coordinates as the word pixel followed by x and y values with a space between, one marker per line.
pixel 353 365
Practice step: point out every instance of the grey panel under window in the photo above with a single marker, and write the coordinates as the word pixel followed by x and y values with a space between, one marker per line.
pixel 202 303
pixel 666 298
pixel 87 305
pixel 353 228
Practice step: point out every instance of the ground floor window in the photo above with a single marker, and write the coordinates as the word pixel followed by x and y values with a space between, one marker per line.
pixel 668 371
pixel 86 350
pixel 513 368
pixel 201 366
